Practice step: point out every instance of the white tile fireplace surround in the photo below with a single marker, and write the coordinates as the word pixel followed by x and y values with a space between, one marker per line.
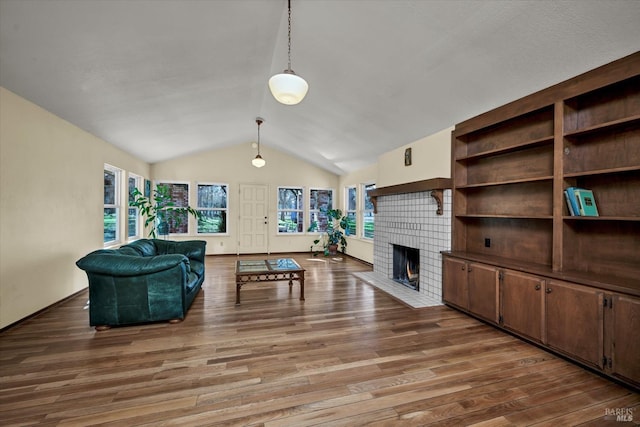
pixel 410 220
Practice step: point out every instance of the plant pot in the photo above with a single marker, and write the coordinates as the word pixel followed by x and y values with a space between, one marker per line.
pixel 333 249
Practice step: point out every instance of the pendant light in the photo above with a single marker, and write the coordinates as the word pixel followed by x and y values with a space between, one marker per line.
pixel 287 87
pixel 258 161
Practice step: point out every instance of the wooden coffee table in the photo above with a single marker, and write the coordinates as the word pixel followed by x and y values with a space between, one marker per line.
pixel 268 270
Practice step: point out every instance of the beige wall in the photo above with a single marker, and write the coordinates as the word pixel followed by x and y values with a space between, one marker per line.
pixel 232 166
pixel 431 158
pixel 51 195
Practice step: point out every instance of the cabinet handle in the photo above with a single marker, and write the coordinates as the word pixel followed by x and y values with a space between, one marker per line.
pixel 538 287
pixel 548 290
pixel 463 268
pixel 469 269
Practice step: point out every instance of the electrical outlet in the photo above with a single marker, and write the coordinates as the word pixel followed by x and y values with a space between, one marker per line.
pixel 487 242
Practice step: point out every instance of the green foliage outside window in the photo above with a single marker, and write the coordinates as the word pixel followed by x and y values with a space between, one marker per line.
pixel 160 212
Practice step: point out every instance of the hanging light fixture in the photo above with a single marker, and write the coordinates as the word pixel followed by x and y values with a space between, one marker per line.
pixel 287 87
pixel 258 161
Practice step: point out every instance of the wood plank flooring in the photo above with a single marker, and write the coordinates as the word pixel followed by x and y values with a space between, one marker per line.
pixel 349 355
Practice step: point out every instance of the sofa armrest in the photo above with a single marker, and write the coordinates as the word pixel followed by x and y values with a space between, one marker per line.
pixel 127 265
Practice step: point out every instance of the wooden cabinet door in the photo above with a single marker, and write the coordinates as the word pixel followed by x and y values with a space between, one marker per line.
pixel 574 321
pixel 523 304
pixel 455 290
pixel 623 332
pixel 483 291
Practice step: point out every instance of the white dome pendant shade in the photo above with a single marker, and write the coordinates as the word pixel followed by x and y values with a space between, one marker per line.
pixel 258 161
pixel 288 88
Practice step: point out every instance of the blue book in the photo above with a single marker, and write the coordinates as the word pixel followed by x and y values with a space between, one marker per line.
pixel 571 195
pixel 569 205
pixel 586 202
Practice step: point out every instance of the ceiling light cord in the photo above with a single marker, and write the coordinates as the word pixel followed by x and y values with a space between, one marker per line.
pixel 289 35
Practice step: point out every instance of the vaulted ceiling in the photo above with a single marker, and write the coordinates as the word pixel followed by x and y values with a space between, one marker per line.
pixel 166 78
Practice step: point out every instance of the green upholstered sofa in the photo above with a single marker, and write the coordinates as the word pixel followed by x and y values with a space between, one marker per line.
pixel 147 280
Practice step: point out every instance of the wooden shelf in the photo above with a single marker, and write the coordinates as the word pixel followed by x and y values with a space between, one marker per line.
pixel 412 187
pixel 516 147
pixel 602 171
pixel 511 181
pixel 520 146
pixel 505 216
pixel 601 218
pixel 435 185
pixel 608 126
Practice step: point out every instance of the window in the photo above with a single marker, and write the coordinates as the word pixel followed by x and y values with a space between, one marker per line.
pixel 133 217
pixel 367 212
pixel 351 209
pixel 290 210
pixel 178 193
pixel 320 201
pixel 111 204
pixel 212 205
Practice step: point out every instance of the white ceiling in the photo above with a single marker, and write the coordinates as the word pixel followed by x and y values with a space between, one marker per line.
pixel 165 78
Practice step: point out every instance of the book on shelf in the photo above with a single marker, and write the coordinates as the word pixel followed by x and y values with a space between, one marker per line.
pixel 586 202
pixel 572 201
pixel 569 205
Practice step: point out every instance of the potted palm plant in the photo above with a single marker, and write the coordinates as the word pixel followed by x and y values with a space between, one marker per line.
pixel 159 211
pixel 335 234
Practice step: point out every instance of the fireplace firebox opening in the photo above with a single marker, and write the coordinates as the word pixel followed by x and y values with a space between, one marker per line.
pixel 406 266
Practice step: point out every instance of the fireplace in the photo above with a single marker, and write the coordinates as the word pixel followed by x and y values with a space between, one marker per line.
pixel 406 266
pixel 411 220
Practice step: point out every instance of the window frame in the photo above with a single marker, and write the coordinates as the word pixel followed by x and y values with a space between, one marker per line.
pixel 225 209
pixel 139 183
pixel 351 213
pixel 311 211
pixel 300 223
pixel 366 210
pixel 117 204
pixel 160 182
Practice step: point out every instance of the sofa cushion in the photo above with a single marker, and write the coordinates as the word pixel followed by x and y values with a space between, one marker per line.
pixel 144 247
pixel 126 250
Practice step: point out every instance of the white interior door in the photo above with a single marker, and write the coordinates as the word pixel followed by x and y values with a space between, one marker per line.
pixel 253 221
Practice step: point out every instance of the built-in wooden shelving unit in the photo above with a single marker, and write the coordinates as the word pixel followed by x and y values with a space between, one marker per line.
pixel 518 257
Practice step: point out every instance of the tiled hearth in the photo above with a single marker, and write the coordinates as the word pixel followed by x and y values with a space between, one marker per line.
pixel 410 220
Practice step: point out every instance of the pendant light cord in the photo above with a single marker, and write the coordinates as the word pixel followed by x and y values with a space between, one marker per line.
pixel 259 123
pixel 289 34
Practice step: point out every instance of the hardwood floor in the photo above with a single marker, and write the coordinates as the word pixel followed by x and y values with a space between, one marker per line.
pixel 348 355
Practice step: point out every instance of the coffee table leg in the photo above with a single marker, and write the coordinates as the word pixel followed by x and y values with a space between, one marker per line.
pixel 301 280
pixel 238 286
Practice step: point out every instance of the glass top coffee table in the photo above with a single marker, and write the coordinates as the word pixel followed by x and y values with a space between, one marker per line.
pixel 268 270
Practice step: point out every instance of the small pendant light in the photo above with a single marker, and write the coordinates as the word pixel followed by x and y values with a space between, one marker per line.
pixel 258 161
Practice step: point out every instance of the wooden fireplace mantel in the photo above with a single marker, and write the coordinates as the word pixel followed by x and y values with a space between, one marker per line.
pixel 435 185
